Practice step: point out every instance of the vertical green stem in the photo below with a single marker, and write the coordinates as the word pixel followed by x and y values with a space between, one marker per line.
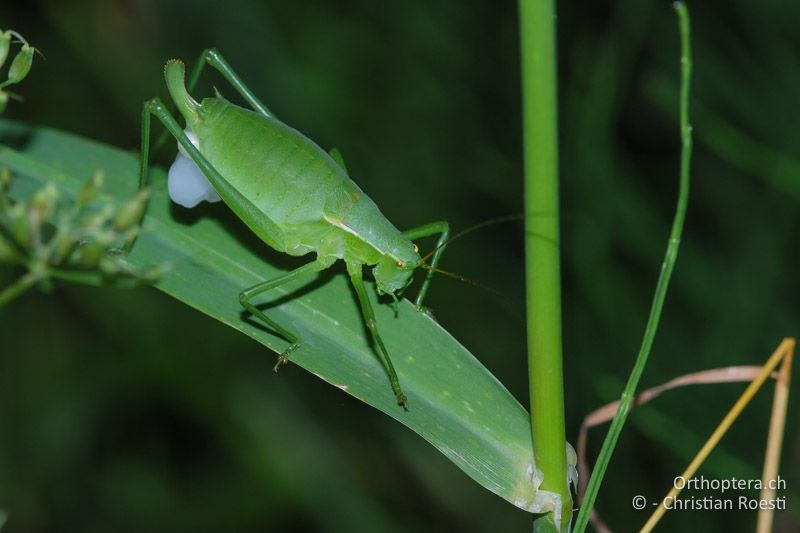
pixel 542 262
pixel 663 280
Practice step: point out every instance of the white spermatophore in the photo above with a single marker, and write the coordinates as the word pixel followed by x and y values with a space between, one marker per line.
pixel 186 183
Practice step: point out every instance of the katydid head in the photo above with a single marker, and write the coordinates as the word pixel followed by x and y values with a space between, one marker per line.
pixel 394 272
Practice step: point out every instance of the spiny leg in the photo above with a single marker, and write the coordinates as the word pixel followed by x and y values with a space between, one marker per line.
pixel 248 294
pixel 211 56
pixel 144 164
pixel 156 107
pixel 433 228
pixel 357 279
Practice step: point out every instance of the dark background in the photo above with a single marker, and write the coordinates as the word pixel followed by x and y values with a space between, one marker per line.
pixel 126 411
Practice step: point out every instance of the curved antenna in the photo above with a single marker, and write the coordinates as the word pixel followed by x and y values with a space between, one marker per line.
pixel 485 223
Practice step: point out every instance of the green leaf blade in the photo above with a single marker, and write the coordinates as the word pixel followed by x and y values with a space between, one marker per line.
pixel 455 403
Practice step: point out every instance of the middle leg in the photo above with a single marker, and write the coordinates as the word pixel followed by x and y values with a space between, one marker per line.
pixel 248 294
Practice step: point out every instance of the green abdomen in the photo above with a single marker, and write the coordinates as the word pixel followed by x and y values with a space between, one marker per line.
pixel 277 168
pixel 291 180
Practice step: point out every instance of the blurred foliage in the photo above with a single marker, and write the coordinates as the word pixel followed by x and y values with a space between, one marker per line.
pixel 112 417
pixel 55 239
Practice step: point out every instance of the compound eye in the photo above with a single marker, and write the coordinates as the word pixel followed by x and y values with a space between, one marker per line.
pixel 416 248
pixel 400 264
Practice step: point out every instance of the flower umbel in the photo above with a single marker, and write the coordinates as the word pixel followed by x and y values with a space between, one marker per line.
pixel 20 65
pixel 76 241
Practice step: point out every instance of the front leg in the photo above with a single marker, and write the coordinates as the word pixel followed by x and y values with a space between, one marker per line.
pixel 433 228
pixel 356 277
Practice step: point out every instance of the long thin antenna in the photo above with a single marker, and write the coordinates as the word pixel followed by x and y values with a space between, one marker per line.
pixel 464 279
pixel 480 225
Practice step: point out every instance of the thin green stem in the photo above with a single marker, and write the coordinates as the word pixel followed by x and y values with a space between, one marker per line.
pixel 663 280
pixel 89 277
pixel 18 287
pixel 542 262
